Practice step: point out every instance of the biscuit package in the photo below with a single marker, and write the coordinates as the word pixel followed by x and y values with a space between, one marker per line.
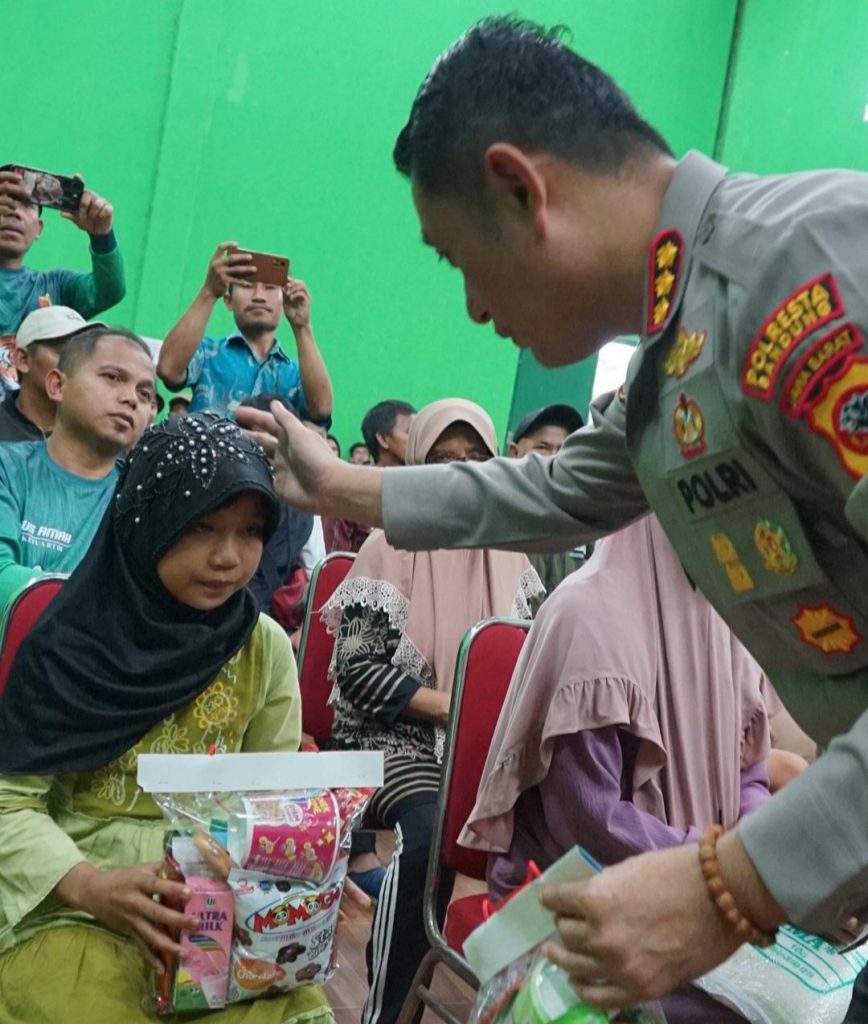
pixel 267 872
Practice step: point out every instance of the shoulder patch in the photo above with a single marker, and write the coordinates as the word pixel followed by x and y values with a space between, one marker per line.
pixel 684 350
pixel 840 415
pixel 809 307
pixel 664 258
pixel 826 628
pixel 803 387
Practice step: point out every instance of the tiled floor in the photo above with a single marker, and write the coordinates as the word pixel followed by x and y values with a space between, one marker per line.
pixel 349 987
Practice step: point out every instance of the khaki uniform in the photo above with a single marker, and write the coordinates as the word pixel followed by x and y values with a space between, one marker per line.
pixel 744 425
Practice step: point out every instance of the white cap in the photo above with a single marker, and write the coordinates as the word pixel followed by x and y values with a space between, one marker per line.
pixel 53 323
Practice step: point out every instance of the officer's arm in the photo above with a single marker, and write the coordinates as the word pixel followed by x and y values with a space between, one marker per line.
pixel 810 842
pixel 533 504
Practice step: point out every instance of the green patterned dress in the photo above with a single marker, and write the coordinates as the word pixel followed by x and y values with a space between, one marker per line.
pixel 57 965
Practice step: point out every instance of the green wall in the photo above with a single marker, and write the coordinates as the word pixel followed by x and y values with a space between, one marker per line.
pixel 273 122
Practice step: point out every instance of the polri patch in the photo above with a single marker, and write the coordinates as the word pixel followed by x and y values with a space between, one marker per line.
pixel 689 426
pixel 803 387
pixel 841 415
pixel 800 314
pixel 663 272
pixel 823 627
pixel 685 350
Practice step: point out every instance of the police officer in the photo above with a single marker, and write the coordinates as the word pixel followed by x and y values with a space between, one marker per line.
pixel 743 423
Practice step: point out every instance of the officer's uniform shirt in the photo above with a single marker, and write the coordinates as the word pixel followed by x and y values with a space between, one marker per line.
pixel 744 424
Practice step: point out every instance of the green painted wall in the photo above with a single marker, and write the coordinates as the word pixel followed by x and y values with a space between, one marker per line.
pixel 273 123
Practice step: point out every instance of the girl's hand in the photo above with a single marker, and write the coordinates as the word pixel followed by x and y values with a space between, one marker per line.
pixel 123 900
pixel 353 900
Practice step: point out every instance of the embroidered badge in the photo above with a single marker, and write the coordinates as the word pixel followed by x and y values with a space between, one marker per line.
pixel 689 427
pixel 775 548
pixel 831 631
pixel 840 415
pixel 803 387
pixel 684 351
pixel 663 271
pixel 800 314
pixel 724 551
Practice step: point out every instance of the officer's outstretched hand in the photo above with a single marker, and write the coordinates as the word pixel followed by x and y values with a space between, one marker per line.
pixel 306 473
pixel 643 928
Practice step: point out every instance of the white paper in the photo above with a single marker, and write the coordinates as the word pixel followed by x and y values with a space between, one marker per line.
pixel 226 773
pixel 523 923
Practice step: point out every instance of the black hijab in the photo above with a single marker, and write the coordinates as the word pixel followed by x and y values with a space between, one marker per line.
pixel 115 652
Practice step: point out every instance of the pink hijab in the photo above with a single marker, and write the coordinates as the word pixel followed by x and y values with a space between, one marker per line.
pixel 433 597
pixel 628 642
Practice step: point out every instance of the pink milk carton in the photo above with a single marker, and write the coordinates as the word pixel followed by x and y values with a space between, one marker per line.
pixel 202 979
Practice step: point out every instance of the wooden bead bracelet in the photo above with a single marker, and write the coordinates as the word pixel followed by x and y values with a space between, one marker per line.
pixel 723 899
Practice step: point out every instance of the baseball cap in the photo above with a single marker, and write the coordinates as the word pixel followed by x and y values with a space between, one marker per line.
pixel 53 323
pixel 550 415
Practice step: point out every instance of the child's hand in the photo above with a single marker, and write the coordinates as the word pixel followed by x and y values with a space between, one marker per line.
pixel 352 900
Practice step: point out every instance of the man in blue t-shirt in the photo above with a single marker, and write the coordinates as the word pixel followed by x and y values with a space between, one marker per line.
pixel 248 362
pixel 22 289
pixel 53 493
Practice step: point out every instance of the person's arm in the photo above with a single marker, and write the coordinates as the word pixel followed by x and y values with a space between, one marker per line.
pixel 276 722
pixel 368 679
pixel 105 286
pixel 587 490
pixel 316 386
pixel 13 573
pixel 38 860
pixel 226 268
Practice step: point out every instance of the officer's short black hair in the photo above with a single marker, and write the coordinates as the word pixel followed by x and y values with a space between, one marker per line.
pixel 510 80
pixel 80 347
pixel 380 419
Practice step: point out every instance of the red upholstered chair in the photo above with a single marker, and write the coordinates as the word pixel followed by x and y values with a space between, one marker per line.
pixel 486 661
pixel 24 613
pixel 316 645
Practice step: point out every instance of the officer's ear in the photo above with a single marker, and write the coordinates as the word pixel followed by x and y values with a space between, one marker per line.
pixel 515 176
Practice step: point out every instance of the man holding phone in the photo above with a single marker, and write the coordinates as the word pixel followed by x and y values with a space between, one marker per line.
pixel 249 361
pixel 23 290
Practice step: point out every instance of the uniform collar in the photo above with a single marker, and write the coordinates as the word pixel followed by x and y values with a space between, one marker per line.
pixel 237 338
pixel 694 180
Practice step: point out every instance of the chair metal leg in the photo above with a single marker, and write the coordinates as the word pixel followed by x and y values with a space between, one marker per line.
pixel 420 994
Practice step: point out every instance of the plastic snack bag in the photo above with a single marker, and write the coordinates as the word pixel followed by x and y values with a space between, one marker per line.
pixel 801 979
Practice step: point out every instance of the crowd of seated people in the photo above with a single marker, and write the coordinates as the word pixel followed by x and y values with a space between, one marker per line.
pixel 602 715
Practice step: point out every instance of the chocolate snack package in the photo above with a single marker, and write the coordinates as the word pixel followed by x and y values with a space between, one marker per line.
pixel 284 934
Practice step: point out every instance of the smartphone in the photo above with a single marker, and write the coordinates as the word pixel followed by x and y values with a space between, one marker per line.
pixel 270 269
pixel 54 191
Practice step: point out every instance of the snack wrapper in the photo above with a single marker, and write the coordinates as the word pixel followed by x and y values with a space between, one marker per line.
pixel 267 870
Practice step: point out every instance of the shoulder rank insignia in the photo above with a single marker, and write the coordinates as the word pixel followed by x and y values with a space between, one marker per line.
pixel 841 415
pixel 685 349
pixel 663 270
pixel 724 551
pixel 809 307
pixel 831 631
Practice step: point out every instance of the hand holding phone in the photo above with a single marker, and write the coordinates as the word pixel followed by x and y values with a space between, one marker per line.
pixel 52 191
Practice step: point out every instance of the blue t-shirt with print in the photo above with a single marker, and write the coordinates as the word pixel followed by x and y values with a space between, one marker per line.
pixel 225 371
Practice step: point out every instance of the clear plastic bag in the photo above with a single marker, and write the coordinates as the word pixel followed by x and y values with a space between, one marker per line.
pixel 532 990
pixel 267 873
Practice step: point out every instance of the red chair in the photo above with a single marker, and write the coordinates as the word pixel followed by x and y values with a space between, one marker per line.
pixel 486 661
pixel 23 614
pixel 316 645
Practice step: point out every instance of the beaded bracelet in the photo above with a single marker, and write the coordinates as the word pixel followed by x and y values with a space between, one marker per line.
pixel 723 899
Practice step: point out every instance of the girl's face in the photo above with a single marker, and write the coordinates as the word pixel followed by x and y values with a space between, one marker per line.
pixel 218 554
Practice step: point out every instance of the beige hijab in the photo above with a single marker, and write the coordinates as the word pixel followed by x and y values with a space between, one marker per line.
pixel 627 641
pixel 433 597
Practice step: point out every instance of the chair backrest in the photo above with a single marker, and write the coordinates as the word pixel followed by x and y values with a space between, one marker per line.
pixel 23 614
pixel 315 648
pixel 486 661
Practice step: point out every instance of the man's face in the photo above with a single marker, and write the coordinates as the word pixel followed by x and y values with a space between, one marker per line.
pixel 34 362
pixel 360 456
pixel 19 230
pixel 257 307
pixel 545 440
pixel 395 442
pixel 531 288
pixel 109 398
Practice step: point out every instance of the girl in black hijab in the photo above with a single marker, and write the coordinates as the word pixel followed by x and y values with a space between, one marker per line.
pixel 154 644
